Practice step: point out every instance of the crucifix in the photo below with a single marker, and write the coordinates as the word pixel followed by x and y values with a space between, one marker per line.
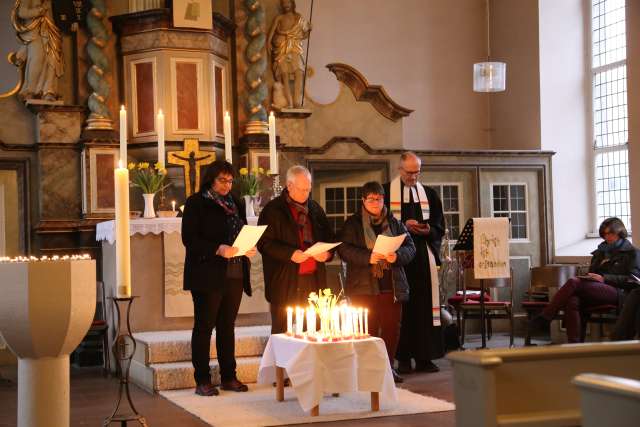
pixel 191 159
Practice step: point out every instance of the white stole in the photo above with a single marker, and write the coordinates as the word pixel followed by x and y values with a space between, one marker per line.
pixel 419 194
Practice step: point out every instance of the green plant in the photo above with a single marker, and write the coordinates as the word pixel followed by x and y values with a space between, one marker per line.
pixel 149 179
pixel 249 182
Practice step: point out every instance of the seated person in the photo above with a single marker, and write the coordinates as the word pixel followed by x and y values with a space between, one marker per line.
pixel 611 267
pixel 628 325
pixel 376 281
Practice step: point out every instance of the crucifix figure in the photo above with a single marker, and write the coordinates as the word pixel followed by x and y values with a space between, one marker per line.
pixel 191 159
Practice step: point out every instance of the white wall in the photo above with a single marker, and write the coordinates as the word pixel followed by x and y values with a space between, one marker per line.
pixel 565 104
pixel 421 51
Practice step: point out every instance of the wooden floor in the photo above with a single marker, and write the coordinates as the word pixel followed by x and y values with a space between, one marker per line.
pixel 93 398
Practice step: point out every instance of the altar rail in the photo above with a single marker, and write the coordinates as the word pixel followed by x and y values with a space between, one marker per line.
pixel 532 386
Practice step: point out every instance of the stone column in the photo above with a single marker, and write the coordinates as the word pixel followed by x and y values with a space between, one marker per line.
pixel 633 106
pixel 256 57
pixel 99 118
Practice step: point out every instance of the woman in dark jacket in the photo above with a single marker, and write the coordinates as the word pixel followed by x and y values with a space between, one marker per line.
pixel 609 276
pixel 376 281
pixel 216 278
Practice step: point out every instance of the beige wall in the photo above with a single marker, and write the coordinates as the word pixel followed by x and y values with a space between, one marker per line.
pixel 633 99
pixel 515 113
pixel 9 179
pixel 565 114
pixel 421 51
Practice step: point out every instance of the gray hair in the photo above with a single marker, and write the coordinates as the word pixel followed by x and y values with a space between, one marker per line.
pixel 409 155
pixel 296 170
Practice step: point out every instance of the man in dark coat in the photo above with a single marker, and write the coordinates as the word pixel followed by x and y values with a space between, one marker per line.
pixel 295 223
pixel 420 210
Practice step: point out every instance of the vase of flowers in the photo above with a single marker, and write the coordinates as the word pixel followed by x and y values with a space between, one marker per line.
pixel 150 179
pixel 249 188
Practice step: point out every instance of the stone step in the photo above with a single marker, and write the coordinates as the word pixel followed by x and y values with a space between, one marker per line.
pixel 175 346
pixel 178 375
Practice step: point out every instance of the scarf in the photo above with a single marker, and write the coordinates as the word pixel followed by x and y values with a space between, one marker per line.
pixel 368 221
pixel 302 209
pixel 233 226
pixel 420 195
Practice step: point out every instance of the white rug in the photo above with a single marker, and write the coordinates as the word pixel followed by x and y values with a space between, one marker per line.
pixel 258 407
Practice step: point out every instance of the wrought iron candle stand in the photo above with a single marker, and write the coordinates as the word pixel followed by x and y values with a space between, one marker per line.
pixel 277 188
pixel 124 347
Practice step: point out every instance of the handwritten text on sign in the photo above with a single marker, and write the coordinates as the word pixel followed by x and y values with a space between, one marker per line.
pixel 491 248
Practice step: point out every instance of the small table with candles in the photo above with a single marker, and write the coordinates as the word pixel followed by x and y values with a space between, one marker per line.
pixel 340 357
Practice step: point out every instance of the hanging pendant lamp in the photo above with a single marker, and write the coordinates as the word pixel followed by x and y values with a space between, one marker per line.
pixel 489 76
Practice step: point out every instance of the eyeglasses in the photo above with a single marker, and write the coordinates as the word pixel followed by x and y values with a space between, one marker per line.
pixel 224 181
pixel 374 200
pixel 411 173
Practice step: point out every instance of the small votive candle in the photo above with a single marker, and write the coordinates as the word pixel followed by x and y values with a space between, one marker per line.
pixel 173 205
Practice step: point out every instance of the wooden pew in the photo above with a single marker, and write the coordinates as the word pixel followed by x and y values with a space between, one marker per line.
pixel 531 386
pixel 608 401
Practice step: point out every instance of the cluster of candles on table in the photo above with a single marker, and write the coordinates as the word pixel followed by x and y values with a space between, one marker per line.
pixel 337 323
pixel 45 258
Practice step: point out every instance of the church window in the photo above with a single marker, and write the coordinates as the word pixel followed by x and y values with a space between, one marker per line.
pixel 451 196
pixel 510 200
pixel 610 124
pixel 339 202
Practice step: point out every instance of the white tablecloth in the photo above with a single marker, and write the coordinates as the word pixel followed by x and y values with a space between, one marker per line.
pixel 338 367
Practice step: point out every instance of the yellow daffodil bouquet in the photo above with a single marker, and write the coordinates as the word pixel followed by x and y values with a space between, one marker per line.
pixel 150 179
pixel 249 181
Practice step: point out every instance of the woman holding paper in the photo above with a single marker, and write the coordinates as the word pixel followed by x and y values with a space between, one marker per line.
pixel 377 281
pixel 211 222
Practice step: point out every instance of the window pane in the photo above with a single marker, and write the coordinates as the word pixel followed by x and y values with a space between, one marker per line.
pixel 518 202
pixel 608 28
pixel 500 202
pixel 610 107
pixel 612 186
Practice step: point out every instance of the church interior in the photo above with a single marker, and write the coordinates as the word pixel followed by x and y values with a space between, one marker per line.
pixel 526 112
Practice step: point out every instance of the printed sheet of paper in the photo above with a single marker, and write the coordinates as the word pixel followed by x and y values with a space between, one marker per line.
pixel 320 247
pixel 388 244
pixel 248 238
pixel 491 248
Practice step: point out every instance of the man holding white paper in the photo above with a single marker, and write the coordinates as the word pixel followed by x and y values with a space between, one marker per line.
pixel 295 223
pixel 420 210
pixel 375 248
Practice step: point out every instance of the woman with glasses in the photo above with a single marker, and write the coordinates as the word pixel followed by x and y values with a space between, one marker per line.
pixel 216 277
pixel 612 264
pixel 374 280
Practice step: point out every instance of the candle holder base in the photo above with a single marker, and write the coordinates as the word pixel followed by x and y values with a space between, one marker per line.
pixel 124 347
pixel 277 188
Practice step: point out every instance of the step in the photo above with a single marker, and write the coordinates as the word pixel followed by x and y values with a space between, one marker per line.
pixel 179 375
pixel 175 346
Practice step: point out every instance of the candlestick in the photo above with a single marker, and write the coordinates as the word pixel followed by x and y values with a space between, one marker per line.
pixel 227 137
pixel 366 321
pixel 123 135
pixel 173 205
pixel 160 130
pixel 123 251
pixel 273 154
pixel 289 321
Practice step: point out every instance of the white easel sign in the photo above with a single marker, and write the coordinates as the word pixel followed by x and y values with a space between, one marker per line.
pixel 491 248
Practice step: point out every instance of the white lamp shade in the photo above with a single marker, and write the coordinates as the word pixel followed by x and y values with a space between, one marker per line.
pixel 489 76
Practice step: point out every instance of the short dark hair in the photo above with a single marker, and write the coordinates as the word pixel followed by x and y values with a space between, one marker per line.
pixel 372 187
pixel 613 225
pixel 214 170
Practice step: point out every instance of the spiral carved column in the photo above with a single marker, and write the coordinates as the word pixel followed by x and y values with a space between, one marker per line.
pixel 99 118
pixel 255 55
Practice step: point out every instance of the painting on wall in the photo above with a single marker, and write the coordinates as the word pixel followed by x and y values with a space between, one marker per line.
pixel 193 14
pixel 98 186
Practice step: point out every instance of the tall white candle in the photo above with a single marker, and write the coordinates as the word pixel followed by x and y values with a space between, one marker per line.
pixel 289 321
pixel 354 322
pixel 299 321
pixel 273 154
pixel 123 135
pixel 360 321
pixel 311 321
pixel 227 138
pixel 366 321
pixel 343 321
pixel 123 251
pixel 160 130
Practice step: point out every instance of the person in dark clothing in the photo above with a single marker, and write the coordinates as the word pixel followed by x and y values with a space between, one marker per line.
pixel 211 221
pixel 295 223
pixel 628 324
pixel 419 208
pixel 374 280
pixel 609 276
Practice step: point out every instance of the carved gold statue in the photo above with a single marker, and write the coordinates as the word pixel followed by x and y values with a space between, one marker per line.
pixel 41 54
pixel 284 46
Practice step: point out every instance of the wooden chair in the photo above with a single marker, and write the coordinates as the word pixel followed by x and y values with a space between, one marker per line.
pixel 494 308
pixel 100 328
pixel 544 278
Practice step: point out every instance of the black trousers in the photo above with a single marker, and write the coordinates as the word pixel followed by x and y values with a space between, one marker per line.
pixel 215 309
pixel 628 324
pixel 295 296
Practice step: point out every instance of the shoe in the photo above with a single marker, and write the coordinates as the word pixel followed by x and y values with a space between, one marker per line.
pixel 404 367
pixel 538 323
pixel 287 383
pixel 207 390
pixel 396 377
pixel 427 366
pixel 234 385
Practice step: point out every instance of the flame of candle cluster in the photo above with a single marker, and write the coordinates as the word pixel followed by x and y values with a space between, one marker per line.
pixel 46 258
pixel 338 320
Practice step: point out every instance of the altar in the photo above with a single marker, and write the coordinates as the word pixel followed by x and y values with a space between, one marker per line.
pixel 157 262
